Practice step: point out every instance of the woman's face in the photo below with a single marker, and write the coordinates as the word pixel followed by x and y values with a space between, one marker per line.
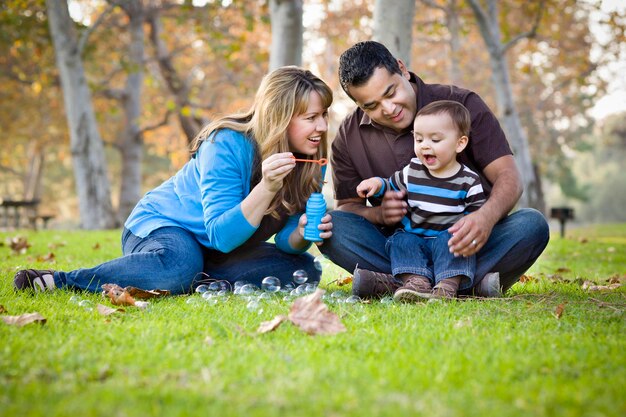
pixel 305 130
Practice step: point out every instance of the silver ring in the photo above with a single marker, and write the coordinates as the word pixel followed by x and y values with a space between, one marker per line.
pixel 474 242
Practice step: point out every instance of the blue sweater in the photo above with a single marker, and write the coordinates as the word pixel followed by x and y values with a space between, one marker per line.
pixel 205 197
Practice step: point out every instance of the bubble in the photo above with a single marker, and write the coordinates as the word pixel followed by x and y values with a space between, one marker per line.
pixel 239 284
pixel 320 262
pixel 192 300
pixel 310 287
pixel 264 296
pixel 301 289
pixel 270 284
pixel 337 294
pixel 86 304
pixel 223 293
pixel 212 300
pixel 247 289
pixel 207 295
pixel 386 300
pixel 294 293
pixel 353 299
pixel 254 306
pixel 217 286
pixel 202 288
pixel 74 299
pixel 300 276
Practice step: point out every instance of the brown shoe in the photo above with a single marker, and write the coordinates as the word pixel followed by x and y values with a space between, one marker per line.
pixel 414 289
pixel 444 289
pixel 369 284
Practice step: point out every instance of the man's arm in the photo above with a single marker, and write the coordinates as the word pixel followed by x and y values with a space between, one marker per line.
pixel 476 227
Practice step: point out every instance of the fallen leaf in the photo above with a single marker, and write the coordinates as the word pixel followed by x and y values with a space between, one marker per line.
pixel 591 286
pixel 583 240
pixel 19 244
pixel 268 326
pixel 118 295
pixel 563 269
pixel 527 278
pixel 558 311
pixel 146 294
pixel 344 281
pixel 107 311
pixel 312 316
pixel 24 319
pixel 46 258
pixel 616 279
pixel 2 309
pixel 96 246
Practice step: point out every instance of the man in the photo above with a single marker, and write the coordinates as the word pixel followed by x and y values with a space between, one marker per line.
pixel 376 140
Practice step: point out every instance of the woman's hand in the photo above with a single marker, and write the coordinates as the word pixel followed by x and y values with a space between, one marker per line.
pixel 325 227
pixel 275 168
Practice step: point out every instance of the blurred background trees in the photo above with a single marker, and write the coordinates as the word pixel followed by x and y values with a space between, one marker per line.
pixel 157 71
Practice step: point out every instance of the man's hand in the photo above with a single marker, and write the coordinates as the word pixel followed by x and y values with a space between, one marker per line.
pixel 393 207
pixel 469 234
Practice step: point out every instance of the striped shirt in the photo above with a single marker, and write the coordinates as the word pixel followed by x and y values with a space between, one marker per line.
pixel 435 204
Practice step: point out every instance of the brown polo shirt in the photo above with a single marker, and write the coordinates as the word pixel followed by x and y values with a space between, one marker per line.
pixel 364 149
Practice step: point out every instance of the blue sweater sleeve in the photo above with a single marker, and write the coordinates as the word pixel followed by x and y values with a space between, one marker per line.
pixel 224 170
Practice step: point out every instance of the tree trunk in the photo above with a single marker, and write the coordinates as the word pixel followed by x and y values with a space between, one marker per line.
pixel 490 31
pixel 90 170
pixel 286 18
pixel 130 142
pixel 454 27
pixel 393 26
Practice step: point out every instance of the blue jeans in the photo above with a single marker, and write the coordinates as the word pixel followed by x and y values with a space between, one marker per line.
pixel 170 258
pixel 514 245
pixel 428 257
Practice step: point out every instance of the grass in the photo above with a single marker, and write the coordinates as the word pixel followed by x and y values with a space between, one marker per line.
pixel 505 357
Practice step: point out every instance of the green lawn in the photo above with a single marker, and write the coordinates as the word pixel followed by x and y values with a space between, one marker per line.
pixel 505 357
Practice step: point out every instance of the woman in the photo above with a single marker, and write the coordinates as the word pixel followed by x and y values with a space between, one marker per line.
pixel 241 186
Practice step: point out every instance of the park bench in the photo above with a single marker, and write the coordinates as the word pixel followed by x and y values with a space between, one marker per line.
pixel 21 213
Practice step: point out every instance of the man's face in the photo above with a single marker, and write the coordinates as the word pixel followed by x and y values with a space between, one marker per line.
pixel 388 99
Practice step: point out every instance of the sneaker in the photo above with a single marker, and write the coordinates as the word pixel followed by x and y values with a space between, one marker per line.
pixel 414 289
pixel 34 279
pixel 369 284
pixel 444 290
pixel 489 286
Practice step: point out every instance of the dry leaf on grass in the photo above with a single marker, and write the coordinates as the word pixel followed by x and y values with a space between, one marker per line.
pixel 24 319
pixel 591 286
pixel 2 309
pixel 268 326
pixel 19 244
pixel 312 316
pixel 120 297
pixel 107 311
pixel 344 281
pixel 527 278
pixel 558 311
pixel 146 294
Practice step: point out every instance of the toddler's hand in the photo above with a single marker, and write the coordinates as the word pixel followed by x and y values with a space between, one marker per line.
pixel 368 187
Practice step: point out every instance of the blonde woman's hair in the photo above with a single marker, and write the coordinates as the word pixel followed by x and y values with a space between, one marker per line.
pixel 283 94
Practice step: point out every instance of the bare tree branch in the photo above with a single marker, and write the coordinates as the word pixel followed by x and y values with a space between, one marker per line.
pixel 529 34
pixel 155 126
pixel 432 4
pixel 85 35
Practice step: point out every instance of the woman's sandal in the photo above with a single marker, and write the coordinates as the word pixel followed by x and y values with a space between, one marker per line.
pixel 34 279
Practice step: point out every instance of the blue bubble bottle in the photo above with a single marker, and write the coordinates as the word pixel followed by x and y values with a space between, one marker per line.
pixel 315 210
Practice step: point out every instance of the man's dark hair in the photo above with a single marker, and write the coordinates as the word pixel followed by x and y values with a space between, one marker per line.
pixel 357 64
